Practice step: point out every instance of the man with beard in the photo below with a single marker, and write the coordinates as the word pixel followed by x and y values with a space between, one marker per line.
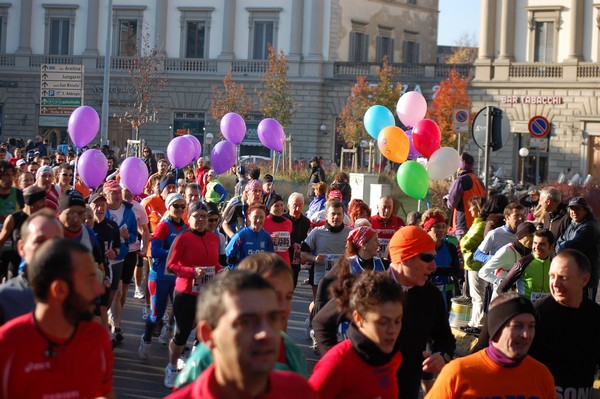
pixel 56 351
pixel 16 297
pixel 240 321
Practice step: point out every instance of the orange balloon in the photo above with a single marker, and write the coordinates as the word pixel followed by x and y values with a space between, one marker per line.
pixel 393 144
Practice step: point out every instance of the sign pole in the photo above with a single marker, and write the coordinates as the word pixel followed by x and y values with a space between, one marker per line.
pixel 487 147
pixel 537 166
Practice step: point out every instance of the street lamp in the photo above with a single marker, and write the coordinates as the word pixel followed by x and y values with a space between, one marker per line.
pixel 523 153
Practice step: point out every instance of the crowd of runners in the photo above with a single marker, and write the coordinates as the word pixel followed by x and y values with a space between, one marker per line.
pixel 219 269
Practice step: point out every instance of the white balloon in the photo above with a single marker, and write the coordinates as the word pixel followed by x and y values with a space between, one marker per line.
pixel 443 163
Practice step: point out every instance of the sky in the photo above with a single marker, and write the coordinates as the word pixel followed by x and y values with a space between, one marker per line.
pixel 456 18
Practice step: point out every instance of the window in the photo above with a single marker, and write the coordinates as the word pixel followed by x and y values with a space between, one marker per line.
pixel 359 43
pixel 3 23
pixel 264 25
pixel 410 48
pixel 543 38
pixel 127 26
pixel 59 24
pixel 59 36
pixel 263 36
pixel 195 29
pixel 385 45
pixel 127 33
pixel 543 50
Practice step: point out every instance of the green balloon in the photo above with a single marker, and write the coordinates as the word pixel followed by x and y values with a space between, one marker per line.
pixel 413 179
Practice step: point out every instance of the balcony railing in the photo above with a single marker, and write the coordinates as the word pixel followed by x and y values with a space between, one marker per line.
pixel 353 69
pixel 588 71
pixel 38 60
pixel 190 65
pixel 536 70
pixel 249 67
pixel 7 60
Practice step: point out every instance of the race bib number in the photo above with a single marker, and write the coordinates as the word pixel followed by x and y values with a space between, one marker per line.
pixel 284 241
pixel 209 274
pixel 330 261
pixel 383 247
pixel 536 296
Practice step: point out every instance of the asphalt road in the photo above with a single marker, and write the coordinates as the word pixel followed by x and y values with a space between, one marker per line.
pixel 134 378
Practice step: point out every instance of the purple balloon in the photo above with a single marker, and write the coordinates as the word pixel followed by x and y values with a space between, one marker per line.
pixel 92 167
pixel 83 125
pixel 233 128
pixel 134 174
pixel 223 156
pixel 180 152
pixel 196 144
pixel 413 153
pixel 271 134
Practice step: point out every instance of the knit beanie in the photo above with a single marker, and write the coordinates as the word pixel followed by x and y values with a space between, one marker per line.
pixel 409 242
pixel 501 314
pixel 171 198
pixel 524 229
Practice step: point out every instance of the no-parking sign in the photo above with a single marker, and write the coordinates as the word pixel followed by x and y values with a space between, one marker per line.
pixel 539 127
pixel 460 120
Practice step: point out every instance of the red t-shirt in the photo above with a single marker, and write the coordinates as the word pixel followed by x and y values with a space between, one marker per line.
pixel 189 250
pixel 79 368
pixel 342 373
pixel 282 384
pixel 284 230
pixel 385 230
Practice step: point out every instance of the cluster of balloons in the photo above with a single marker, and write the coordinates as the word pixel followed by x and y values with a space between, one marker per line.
pixel 421 139
pixel 224 154
pixel 183 150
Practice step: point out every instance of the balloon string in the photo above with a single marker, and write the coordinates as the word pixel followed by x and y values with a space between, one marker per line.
pixel 75 171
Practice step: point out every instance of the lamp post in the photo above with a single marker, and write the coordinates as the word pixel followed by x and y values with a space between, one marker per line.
pixel 523 153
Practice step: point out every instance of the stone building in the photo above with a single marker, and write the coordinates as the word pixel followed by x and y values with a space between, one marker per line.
pixel 540 59
pixel 327 42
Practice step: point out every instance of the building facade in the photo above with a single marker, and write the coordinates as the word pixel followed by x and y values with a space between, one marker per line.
pixel 328 44
pixel 541 59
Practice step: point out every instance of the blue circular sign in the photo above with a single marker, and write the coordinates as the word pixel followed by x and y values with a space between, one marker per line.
pixel 461 116
pixel 539 126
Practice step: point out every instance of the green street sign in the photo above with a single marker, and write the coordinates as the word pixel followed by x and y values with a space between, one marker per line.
pixel 62 101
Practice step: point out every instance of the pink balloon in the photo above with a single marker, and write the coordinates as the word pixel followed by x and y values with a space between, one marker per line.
pixel 223 156
pixel 180 152
pixel 411 108
pixel 92 167
pixel 134 174
pixel 83 125
pixel 197 146
pixel 271 134
pixel 426 137
pixel 233 128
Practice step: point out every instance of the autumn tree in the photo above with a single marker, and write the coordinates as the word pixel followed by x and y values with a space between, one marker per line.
pixel 387 92
pixel 276 100
pixel 147 79
pixel 465 50
pixel 362 96
pixel 231 97
pixel 452 94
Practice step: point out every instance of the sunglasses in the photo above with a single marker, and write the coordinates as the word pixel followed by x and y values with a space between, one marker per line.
pixel 213 220
pixel 176 206
pixel 427 257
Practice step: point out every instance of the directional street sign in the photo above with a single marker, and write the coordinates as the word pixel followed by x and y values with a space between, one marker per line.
pixel 61 91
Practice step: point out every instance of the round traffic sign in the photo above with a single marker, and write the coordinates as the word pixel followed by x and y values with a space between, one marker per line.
pixel 539 126
pixel 461 116
pixel 500 129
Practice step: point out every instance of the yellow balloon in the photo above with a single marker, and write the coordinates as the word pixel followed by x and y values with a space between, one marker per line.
pixel 393 144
